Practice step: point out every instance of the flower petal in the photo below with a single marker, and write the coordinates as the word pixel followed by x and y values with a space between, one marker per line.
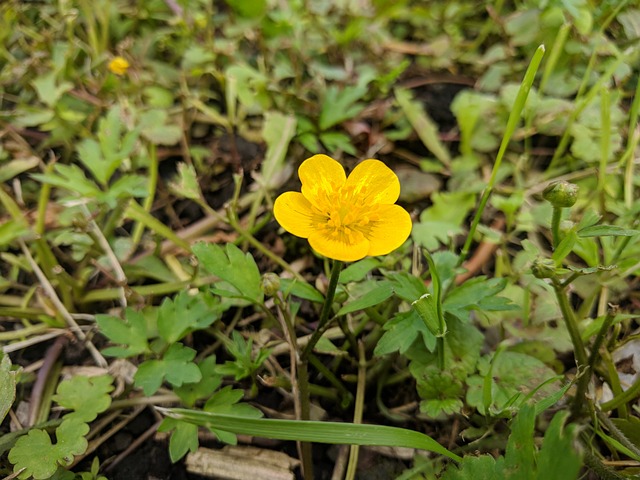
pixel 295 214
pixel 340 248
pixel 390 229
pixel 321 177
pixel 374 182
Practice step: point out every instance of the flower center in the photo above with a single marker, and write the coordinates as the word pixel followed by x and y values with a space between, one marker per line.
pixel 346 217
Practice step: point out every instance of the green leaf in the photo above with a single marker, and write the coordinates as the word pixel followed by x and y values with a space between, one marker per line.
pixel 70 440
pixel 378 294
pixel 153 126
pixel 335 433
pixel 233 266
pixel 211 379
pixel 484 467
pixel 565 247
pixel 87 396
pixel 558 458
pixel 7 385
pixel 512 373
pixel 186 185
pixel 23 455
pixel 184 437
pixel 439 223
pixel 176 367
pixel 71 178
pixel 427 309
pixel 406 286
pixel 11 230
pixel 520 453
pixel 40 458
pixel 340 105
pixel 423 125
pixel 185 313
pixel 278 129
pixel 292 286
pixel 440 391
pixel 16 167
pixel 606 231
pixel 358 270
pixel 131 333
pixel 401 332
pixel 478 293
pixel 48 90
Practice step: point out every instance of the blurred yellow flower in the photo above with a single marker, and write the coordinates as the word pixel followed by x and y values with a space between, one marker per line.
pixel 118 65
pixel 345 218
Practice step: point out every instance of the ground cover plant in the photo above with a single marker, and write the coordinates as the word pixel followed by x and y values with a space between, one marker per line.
pixel 321 239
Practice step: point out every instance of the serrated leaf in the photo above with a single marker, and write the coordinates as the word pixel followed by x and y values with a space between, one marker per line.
pixel 185 184
pixel 512 373
pixel 232 265
pixel 131 333
pixel 440 391
pixel 87 396
pixel 183 314
pixel 71 178
pixel 484 467
pixel 520 453
pixel 558 458
pixel 340 105
pixel 401 332
pixel 211 379
pixel 176 367
pixel 184 437
pixel 406 286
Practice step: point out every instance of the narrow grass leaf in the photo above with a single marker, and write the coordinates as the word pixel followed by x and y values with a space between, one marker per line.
pixel 309 431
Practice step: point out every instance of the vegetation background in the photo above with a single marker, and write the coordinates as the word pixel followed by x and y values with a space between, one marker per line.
pixel 141 147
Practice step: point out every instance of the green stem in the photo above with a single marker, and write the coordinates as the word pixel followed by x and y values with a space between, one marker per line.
pixel 326 310
pixel 583 382
pixel 512 122
pixel 359 408
pixel 555 226
pixel 152 186
pixel 305 413
pixel 574 332
pixel 303 366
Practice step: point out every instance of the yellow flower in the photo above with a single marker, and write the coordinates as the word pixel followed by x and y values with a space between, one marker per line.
pixel 345 218
pixel 118 65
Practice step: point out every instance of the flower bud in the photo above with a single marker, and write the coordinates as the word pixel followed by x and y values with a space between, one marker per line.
pixel 543 268
pixel 270 284
pixel 561 194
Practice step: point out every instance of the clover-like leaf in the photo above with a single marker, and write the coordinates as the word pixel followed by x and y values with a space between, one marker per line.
pixel 176 367
pixel 87 396
pixel 40 458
